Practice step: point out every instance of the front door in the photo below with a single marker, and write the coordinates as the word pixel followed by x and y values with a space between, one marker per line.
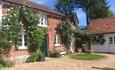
pixel 44 47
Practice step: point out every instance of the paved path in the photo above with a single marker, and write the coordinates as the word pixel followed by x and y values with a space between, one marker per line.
pixel 65 63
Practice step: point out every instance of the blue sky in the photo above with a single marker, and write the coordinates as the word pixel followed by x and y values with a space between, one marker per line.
pixel 80 13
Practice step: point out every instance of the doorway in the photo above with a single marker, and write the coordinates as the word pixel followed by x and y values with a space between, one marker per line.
pixel 44 48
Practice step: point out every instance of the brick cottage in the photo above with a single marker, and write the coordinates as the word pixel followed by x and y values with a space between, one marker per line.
pixel 48 19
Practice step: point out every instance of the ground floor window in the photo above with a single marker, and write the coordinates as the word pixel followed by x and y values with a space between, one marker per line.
pixel 57 40
pixel 22 41
pixel 110 40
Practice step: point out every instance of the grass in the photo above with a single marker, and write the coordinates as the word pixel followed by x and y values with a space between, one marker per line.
pixel 87 56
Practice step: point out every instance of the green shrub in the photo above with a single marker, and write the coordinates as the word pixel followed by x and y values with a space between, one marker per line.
pixel 35 57
pixel 35 39
pixel 68 52
pixel 54 54
pixel 6 63
pixel 86 48
pixel 1 66
pixel 41 57
pixel 31 58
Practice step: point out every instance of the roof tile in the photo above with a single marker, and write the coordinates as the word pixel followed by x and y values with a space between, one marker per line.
pixel 102 25
pixel 34 5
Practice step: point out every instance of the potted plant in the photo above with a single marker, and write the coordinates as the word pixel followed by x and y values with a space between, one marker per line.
pixel 79 50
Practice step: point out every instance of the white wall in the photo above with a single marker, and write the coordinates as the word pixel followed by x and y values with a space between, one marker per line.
pixel 106 47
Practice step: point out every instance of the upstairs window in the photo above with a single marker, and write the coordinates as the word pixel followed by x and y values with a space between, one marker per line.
pixel 43 20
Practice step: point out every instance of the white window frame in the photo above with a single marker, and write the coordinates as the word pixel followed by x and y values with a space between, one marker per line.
pixel 0 14
pixel 57 40
pixel 23 46
pixel 43 20
pixel 112 41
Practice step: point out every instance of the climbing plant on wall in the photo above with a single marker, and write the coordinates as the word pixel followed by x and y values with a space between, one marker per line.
pixel 30 20
pixel 18 19
pixel 10 28
pixel 64 29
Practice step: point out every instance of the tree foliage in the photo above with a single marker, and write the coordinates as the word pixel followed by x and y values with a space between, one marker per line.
pixel 64 30
pixel 65 6
pixel 93 8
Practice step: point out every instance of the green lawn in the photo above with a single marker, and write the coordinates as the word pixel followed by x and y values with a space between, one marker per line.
pixel 87 56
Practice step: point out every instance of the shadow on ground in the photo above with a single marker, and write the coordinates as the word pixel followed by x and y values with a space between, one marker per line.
pixel 103 68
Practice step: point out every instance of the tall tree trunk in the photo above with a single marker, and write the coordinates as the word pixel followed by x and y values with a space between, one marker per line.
pixel 87 18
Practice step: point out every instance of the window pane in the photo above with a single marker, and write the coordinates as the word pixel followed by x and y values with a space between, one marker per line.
pixel 42 20
pixel 26 40
pixel 46 20
pixel 57 39
pixel 110 40
pixel 19 40
pixel 114 40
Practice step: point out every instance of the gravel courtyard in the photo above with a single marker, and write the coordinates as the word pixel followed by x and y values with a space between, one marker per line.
pixel 65 63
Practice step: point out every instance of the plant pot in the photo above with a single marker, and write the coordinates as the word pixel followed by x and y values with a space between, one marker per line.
pixel 79 50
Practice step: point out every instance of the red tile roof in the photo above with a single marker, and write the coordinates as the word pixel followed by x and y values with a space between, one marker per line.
pixel 102 25
pixel 34 5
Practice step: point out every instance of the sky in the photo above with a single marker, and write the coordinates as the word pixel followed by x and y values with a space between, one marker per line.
pixel 81 15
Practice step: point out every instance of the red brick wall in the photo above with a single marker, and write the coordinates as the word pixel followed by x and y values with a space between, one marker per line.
pixel 16 53
pixel 52 24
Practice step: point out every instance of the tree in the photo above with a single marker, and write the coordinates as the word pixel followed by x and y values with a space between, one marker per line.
pixel 67 7
pixel 94 9
pixel 69 24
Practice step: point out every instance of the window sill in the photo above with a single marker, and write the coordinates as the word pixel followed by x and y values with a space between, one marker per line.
pixel 57 45
pixel 42 25
pixel 22 48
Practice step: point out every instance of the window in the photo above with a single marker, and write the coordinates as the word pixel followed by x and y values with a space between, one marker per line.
pixel 0 13
pixel 57 40
pixel 110 40
pixel 43 20
pixel 22 41
pixel 114 40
